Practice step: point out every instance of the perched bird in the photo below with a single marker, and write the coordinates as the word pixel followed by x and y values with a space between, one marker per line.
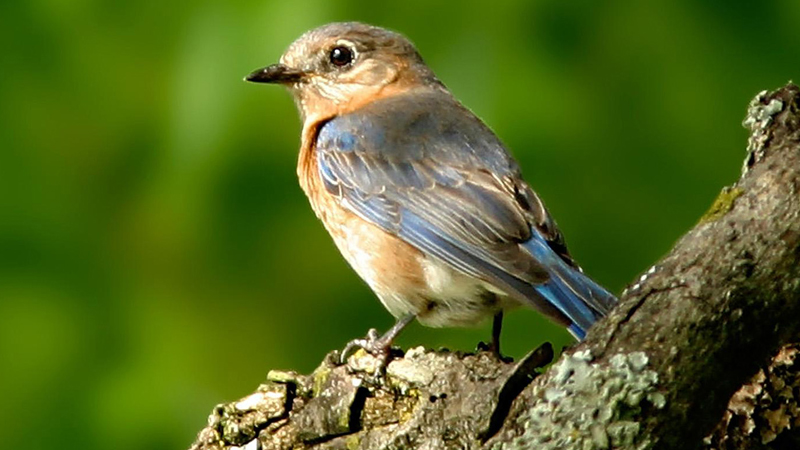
pixel 419 195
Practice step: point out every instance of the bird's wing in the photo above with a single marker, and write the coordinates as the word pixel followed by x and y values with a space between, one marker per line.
pixel 428 171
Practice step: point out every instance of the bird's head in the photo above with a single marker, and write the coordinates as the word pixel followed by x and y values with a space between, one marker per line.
pixel 338 67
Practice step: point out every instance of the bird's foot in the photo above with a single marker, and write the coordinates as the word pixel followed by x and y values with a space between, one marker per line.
pixel 495 351
pixel 379 347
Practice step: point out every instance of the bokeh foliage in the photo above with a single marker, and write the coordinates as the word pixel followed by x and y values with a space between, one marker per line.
pixel 157 256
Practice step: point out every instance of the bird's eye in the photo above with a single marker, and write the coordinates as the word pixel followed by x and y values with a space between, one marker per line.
pixel 341 56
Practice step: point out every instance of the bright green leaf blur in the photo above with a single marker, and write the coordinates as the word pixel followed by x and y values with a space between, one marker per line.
pixel 157 256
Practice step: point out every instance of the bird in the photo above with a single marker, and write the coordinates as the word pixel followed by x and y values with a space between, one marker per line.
pixel 421 197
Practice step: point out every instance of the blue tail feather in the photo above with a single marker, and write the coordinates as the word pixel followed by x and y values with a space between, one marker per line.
pixel 578 332
pixel 574 294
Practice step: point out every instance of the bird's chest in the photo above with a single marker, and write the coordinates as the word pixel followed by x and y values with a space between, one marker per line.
pixel 384 261
pixel 405 280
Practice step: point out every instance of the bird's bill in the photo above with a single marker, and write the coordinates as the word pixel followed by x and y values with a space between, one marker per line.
pixel 276 73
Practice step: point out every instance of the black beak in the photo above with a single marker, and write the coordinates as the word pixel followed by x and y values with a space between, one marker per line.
pixel 276 73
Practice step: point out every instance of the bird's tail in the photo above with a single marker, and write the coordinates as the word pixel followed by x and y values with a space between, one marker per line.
pixel 575 295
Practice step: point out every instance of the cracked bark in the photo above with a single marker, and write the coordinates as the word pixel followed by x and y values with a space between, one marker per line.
pixel 698 354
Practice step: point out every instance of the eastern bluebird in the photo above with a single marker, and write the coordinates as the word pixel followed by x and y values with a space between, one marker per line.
pixel 419 195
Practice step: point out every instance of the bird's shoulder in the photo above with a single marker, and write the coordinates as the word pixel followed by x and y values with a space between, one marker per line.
pixel 427 124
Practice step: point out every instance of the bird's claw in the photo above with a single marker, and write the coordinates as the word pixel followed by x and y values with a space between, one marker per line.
pixel 372 344
pixel 495 351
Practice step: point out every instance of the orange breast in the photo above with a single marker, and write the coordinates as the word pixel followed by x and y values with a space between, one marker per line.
pixel 390 266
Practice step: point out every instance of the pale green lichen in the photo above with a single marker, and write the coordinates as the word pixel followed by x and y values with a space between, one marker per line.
pixel 408 372
pixel 590 406
pixel 320 377
pixel 353 442
pixel 722 204
pixel 283 377
pixel 303 388
pixel 760 115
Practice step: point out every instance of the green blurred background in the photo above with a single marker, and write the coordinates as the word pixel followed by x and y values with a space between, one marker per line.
pixel 157 256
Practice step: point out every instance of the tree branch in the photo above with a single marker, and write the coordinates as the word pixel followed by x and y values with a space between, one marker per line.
pixel 659 372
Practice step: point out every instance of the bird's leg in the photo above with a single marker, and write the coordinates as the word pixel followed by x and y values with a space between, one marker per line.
pixel 497 327
pixel 379 347
pixel 494 346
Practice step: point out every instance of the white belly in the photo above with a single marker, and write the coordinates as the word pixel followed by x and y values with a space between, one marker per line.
pixel 448 297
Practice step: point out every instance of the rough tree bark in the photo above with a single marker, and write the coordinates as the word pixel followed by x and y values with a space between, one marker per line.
pixel 698 354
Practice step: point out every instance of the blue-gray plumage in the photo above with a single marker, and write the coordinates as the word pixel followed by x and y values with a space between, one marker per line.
pixel 420 196
pixel 444 183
